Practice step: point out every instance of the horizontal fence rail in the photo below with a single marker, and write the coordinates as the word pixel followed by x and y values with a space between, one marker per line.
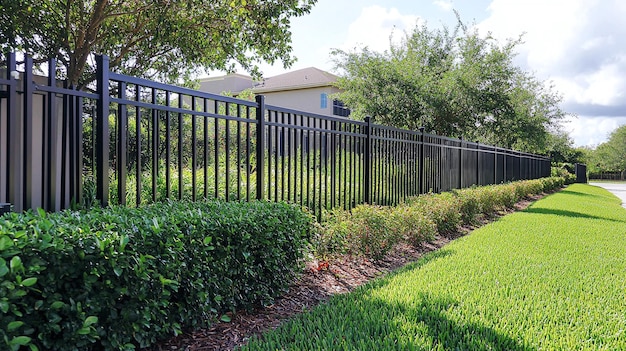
pixel 134 141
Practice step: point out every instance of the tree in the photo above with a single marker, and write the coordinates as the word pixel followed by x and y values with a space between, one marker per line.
pixel 159 39
pixel 610 156
pixel 454 83
pixel 561 150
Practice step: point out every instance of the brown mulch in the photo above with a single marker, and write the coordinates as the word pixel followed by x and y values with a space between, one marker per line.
pixel 320 281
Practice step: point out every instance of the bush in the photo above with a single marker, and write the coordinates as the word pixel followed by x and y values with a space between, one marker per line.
pixel 414 224
pixel 331 237
pixel 366 230
pixel 444 209
pixel 469 208
pixel 552 183
pixel 118 278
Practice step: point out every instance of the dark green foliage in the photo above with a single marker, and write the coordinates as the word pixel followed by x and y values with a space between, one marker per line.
pixel 118 278
pixel 167 40
pixel 609 156
pixel 455 82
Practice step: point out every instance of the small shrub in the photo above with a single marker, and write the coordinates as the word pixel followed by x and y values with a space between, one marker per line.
pixel 373 230
pixel 443 209
pixel 414 224
pixel 469 208
pixel 330 237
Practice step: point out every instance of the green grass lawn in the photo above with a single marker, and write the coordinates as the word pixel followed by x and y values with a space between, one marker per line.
pixel 552 277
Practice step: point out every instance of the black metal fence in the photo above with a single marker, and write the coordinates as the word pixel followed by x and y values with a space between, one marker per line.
pixel 134 141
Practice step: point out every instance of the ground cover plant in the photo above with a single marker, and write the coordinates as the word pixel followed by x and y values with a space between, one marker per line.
pixel 549 277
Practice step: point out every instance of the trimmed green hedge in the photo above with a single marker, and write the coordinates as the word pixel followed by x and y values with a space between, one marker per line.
pixel 118 278
pixel 372 231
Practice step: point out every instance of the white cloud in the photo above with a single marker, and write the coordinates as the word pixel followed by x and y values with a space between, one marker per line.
pixel 588 131
pixel 578 44
pixel 374 27
pixel 445 5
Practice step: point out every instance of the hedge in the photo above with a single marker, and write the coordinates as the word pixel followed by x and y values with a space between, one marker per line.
pixel 372 231
pixel 120 278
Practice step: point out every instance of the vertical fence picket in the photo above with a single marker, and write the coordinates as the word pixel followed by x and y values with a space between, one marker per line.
pixel 260 146
pixel 122 144
pixel 102 130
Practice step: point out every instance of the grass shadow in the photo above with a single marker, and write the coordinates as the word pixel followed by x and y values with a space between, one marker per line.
pixel 363 320
pixel 422 322
pixel 448 334
pixel 577 193
pixel 550 211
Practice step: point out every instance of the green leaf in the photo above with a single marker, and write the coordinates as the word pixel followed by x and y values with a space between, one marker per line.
pixel 42 212
pixel 57 304
pixel 29 281
pixel 3 269
pixel 5 242
pixel 84 331
pixel 20 340
pixel 225 318
pixel 124 241
pixel 16 263
pixel 90 320
pixel 155 222
pixel 4 306
pixel 207 240
pixel 14 325
pixel 118 271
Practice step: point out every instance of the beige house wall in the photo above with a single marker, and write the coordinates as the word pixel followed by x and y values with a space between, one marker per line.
pixel 306 100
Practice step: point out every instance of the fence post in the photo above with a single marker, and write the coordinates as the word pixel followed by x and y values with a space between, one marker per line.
pixel 260 146
pixel 102 130
pixel 367 177
pixel 421 160
pixel 581 173
pixel 519 173
pixel 14 153
pixel 461 163
pixel 27 113
pixel 478 164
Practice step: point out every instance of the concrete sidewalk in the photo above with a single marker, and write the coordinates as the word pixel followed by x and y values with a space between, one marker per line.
pixel 618 189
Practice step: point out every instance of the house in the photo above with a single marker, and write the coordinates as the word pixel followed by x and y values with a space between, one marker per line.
pixel 308 90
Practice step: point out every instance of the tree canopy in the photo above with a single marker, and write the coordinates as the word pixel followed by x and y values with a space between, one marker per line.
pixel 610 156
pixel 451 82
pixel 160 39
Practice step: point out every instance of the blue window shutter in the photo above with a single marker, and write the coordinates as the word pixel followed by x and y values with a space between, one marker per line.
pixel 323 100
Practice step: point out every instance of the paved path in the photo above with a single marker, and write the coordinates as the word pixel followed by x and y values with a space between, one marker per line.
pixel 618 189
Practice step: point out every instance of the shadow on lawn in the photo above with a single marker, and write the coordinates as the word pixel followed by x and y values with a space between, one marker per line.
pixel 445 333
pixel 572 214
pixel 380 316
pixel 577 193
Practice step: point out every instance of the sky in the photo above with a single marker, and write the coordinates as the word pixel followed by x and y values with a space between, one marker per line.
pixel 579 46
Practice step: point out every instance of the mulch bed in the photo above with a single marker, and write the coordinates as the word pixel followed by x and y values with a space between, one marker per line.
pixel 320 281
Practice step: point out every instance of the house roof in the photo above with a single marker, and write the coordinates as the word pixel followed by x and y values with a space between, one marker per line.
pixel 217 78
pixel 303 78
